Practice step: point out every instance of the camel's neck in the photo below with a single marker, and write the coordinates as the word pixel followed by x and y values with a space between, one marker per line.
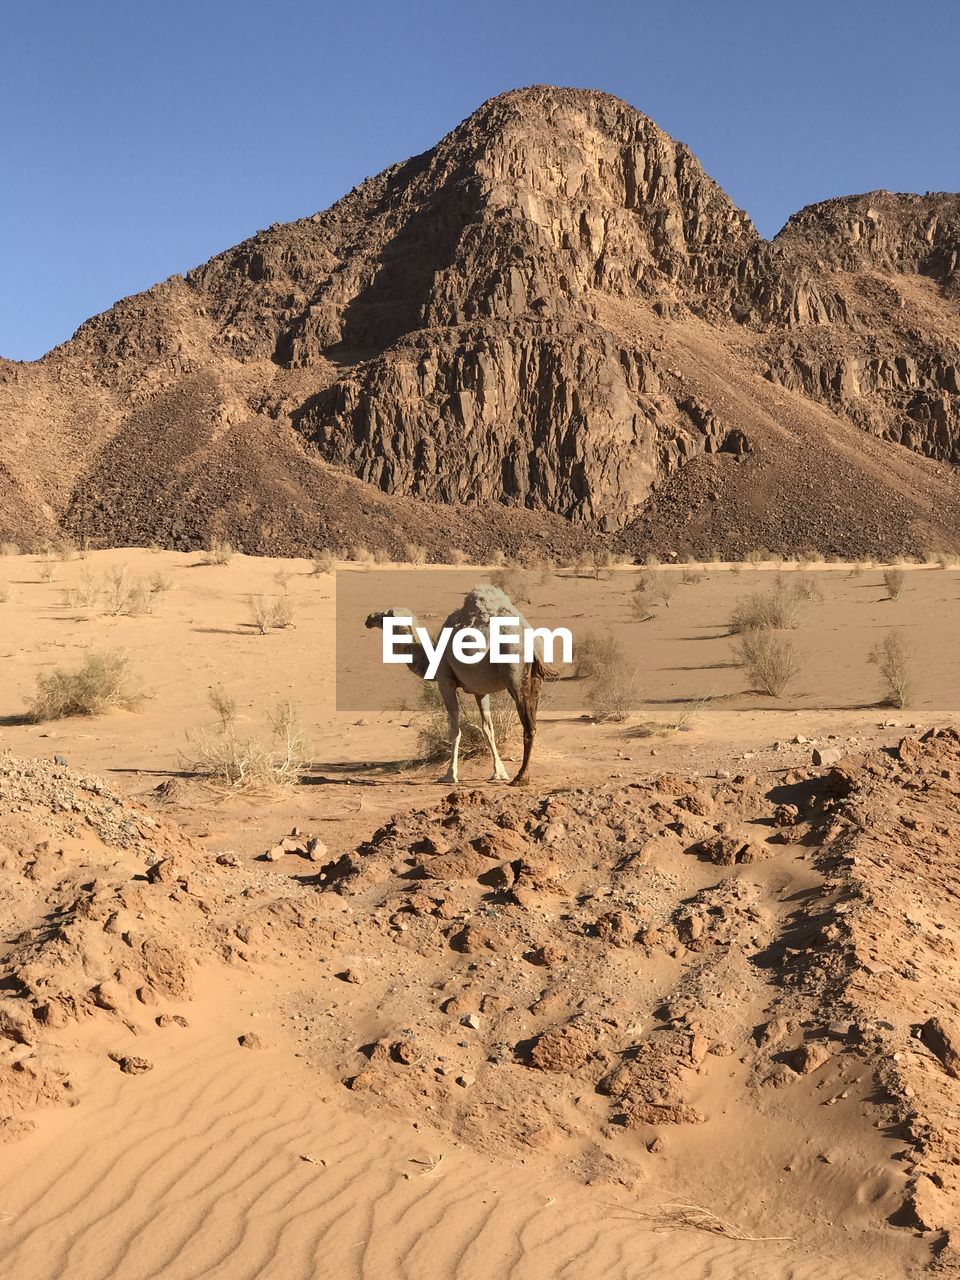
pixel 420 661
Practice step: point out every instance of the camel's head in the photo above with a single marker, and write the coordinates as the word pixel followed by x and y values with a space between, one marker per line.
pixel 376 619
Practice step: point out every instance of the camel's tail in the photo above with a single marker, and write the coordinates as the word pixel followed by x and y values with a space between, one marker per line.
pixel 541 669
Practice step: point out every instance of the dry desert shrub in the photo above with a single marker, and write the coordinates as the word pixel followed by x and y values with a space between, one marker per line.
pixel 641 605
pixel 9 549
pixel 591 652
pixel 613 690
pixel 765 610
pixel 664 587
pixel 359 554
pixel 894 581
pixel 48 566
pixel 433 731
pixel 229 760
pixel 219 552
pixel 457 556
pixel 601 561
pixel 682 723
pixel 323 562
pixel 85 594
pixel 6 593
pixel 117 594
pixel 803 586
pixel 894 661
pixel 270 612
pixel 101 683
pixel 124 596
pixel 770 661
pixel 413 553
pixel 513 585
pixel 223 704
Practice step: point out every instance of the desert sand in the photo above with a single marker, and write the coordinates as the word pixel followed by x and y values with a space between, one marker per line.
pixel 637 1045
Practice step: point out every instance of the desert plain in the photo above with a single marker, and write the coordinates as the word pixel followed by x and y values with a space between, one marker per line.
pixel 683 1006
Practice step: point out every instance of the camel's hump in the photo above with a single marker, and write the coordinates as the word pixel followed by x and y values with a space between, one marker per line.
pixel 481 604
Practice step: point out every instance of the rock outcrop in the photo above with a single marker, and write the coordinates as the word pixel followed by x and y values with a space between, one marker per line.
pixel 554 310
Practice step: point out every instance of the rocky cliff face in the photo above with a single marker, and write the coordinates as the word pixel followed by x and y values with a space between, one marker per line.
pixel 554 310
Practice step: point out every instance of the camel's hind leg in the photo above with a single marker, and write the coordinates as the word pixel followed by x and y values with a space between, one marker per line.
pixel 448 692
pixel 486 724
pixel 526 698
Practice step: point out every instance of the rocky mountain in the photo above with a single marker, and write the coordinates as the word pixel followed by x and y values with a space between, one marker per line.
pixel 552 326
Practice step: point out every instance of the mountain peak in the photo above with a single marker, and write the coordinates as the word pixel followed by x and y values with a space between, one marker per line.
pixel 554 309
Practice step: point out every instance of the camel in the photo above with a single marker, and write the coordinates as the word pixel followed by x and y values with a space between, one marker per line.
pixel 521 680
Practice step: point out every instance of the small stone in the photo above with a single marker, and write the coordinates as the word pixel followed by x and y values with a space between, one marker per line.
pixel 826 756
pixel 274 854
pixel 316 849
pixel 349 975
pixel 250 1040
pixel 131 1066
pixel 470 1020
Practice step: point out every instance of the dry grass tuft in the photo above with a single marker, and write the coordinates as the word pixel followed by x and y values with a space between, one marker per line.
pixel 894 581
pixel 359 554
pixel 9 549
pixel 696 1217
pixel 323 562
pixel 100 684
pixel 219 552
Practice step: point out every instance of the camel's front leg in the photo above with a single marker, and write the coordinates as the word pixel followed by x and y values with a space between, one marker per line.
pixel 448 692
pixel 486 723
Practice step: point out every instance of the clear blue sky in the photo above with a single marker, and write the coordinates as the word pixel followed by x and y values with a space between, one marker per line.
pixel 141 137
